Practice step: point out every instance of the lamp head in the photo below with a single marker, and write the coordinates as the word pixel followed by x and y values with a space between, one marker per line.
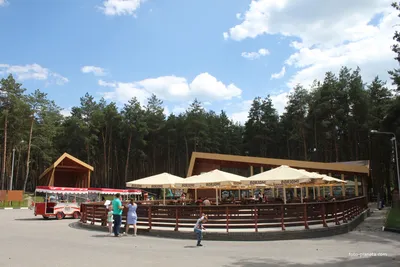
pixel 373 131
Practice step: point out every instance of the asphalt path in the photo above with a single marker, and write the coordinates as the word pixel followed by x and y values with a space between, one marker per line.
pixel 26 240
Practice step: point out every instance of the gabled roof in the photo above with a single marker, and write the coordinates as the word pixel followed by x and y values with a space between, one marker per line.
pixel 320 166
pixel 60 159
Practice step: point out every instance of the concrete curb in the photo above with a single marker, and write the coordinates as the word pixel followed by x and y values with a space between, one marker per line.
pixel 247 236
pixel 9 208
pixel 392 230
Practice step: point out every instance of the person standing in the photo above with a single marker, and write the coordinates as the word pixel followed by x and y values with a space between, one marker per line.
pixel 198 229
pixel 117 213
pixel 131 217
pixel 110 219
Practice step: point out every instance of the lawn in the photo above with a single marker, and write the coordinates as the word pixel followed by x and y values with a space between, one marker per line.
pixel 21 204
pixel 393 219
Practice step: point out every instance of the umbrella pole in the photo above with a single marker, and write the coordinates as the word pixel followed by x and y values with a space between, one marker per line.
pixel 216 195
pixel 301 194
pixel 284 194
pixel 164 197
pixel 240 197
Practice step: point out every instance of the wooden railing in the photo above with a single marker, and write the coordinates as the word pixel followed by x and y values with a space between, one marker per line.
pixel 229 217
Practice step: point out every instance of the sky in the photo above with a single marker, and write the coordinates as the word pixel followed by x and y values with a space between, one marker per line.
pixel 222 52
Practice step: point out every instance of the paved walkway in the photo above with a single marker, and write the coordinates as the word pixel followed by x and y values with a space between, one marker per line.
pixel 376 221
pixel 31 241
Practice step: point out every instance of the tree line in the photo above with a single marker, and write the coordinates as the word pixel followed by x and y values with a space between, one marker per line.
pixel 329 121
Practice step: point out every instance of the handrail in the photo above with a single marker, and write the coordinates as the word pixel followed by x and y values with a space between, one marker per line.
pixel 228 217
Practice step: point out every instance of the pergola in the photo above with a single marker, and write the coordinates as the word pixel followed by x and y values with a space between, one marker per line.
pixel 67 171
pixel 205 162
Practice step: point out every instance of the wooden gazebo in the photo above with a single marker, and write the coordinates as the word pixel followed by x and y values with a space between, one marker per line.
pixel 67 171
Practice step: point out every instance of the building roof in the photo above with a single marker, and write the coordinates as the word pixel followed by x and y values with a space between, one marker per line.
pixel 60 159
pixel 258 161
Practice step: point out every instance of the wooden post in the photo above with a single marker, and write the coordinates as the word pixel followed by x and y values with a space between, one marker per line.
pixel 256 219
pixel 52 177
pixel 323 215
pixel 283 217
pixel 262 169
pixel 335 210
pixel 88 179
pixel 227 219
pixel 306 191
pixel 176 219
pixel 343 187
pixel 251 171
pixel 305 216
pixel 295 191
pixel 344 215
pixel 331 190
pixel 149 217
pixel 356 185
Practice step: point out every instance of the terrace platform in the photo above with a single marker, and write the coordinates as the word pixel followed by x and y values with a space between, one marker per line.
pixel 241 222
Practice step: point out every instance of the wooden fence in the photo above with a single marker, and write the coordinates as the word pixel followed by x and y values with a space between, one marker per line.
pixel 227 217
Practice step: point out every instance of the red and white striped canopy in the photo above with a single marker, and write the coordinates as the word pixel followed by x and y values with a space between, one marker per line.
pixel 61 190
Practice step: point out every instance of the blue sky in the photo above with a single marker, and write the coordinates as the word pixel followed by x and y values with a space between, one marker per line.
pixel 182 49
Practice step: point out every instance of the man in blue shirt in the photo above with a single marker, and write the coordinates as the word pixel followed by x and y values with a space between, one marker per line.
pixel 117 213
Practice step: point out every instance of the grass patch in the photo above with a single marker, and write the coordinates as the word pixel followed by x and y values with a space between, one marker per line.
pixel 393 219
pixel 15 204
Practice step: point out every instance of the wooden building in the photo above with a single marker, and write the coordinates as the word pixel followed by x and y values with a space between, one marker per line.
pixel 353 171
pixel 67 171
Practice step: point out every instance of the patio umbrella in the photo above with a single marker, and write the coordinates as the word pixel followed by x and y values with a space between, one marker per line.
pixel 283 175
pixel 162 180
pixel 213 179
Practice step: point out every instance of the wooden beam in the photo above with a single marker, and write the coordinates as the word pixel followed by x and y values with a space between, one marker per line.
pixel 88 179
pixel 356 185
pixel 70 168
pixel 258 161
pixel 343 187
pixel 52 177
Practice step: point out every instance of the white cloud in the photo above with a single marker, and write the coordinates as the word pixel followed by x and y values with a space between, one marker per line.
pixel 3 3
pixel 255 55
pixel 280 74
pixel 66 112
pixel 280 101
pixel 242 113
pixel 204 87
pixel 123 92
pixel 226 35
pixel 32 72
pixel 97 71
pixel 239 16
pixel 120 7
pixel 331 34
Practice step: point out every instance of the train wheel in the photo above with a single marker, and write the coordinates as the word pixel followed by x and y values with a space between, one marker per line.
pixel 76 215
pixel 59 215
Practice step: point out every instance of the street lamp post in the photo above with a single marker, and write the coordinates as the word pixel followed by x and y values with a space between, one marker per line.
pixel 12 169
pixel 396 155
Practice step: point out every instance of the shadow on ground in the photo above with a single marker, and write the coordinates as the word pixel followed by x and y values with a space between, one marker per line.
pixel 342 262
pixel 33 219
